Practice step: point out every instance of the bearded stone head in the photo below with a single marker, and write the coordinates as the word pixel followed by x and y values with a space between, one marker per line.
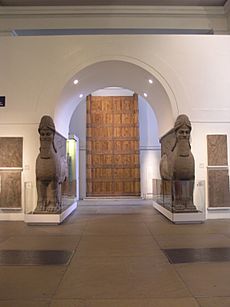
pixel 47 131
pixel 182 127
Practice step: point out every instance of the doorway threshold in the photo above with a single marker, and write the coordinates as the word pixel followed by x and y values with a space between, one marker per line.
pixel 94 201
pixel 111 197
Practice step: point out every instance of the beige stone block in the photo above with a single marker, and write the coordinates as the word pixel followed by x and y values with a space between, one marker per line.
pixel 103 246
pixel 171 302
pixel 29 282
pixel 116 228
pixel 206 279
pixel 192 240
pixel 120 277
pixel 214 301
pixel 40 243
pixel 24 303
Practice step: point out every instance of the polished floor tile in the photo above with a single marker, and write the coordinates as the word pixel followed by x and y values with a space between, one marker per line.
pixel 192 240
pixel 35 257
pixel 60 230
pixel 24 303
pixel 180 302
pixel 120 277
pixel 214 301
pixel 119 246
pixel 167 227
pixel 12 228
pixel 206 279
pixel 29 283
pixel 40 242
pixel 117 262
pixel 69 303
pixel 188 255
pixel 116 228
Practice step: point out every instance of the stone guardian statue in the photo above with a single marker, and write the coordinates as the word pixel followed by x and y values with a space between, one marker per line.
pixel 50 170
pixel 178 166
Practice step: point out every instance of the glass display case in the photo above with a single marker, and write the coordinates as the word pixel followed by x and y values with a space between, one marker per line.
pixel 69 191
pixel 176 200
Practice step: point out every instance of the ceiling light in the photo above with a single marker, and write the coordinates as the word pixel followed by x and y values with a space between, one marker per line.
pixel 75 81
pixel 150 81
pixel 145 95
pixel 81 95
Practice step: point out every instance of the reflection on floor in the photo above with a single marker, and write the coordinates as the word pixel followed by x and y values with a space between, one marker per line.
pixel 116 259
pixel 186 255
pixel 35 257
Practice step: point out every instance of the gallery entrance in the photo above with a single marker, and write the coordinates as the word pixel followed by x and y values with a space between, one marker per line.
pixel 112 146
pixel 154 118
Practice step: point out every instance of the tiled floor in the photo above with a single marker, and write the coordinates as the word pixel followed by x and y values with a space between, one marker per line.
pixel 117 260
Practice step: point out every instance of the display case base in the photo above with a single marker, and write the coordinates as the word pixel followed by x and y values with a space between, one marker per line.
pixel 218 213
pixel 44 219
pixel 11 216
pixel 181 218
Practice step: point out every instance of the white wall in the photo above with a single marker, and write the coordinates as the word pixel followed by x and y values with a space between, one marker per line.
pixel 191 73
pixel 149 144
pixel 78 127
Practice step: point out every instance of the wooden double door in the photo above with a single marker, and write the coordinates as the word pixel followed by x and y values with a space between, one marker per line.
pixel 113 164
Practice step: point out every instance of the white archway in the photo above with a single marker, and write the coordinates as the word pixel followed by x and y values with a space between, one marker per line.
pixel 117 73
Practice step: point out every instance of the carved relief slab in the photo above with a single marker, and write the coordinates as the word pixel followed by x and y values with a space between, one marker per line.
pixel 60 144
pixel 218 188
pixel 167 142
pixel 10 152
pixel 217 150
pixel 10 188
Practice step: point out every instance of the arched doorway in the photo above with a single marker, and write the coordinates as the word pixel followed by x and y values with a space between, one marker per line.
pixel 118 74
pixel 149 147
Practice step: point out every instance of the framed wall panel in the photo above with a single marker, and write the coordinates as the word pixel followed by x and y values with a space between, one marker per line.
pixel 11 162
pixel 10 152
pixel 218 173
pixel 10 189
pixel 217 150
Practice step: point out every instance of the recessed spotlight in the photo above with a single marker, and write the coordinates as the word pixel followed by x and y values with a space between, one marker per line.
pixel 145 95
pixel 81 95
pixel 75 81
pixel 150 81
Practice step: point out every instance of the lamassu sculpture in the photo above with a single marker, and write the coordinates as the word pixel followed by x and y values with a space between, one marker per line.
pixel 51 170
pixel 177 164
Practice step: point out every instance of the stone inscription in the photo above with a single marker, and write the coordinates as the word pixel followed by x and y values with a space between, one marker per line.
pixel 218 188
pixel 10 189
pixel 217 150
pixel 10 152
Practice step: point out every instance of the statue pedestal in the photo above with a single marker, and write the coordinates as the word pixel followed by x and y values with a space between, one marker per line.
pixel 174 199
pixel 181 217
pixel 44 219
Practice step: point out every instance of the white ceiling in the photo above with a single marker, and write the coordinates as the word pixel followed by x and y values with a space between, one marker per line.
pixel 112 2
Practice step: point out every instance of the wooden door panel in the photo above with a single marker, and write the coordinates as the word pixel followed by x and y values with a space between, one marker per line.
pixel 112 146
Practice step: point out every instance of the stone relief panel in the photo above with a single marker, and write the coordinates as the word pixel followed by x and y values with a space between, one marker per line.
pixel 218 188
pixel 10 189
pixel 217 150
pixel 11 151
pixel 60 144
pixel 218 179
pixel 10 180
